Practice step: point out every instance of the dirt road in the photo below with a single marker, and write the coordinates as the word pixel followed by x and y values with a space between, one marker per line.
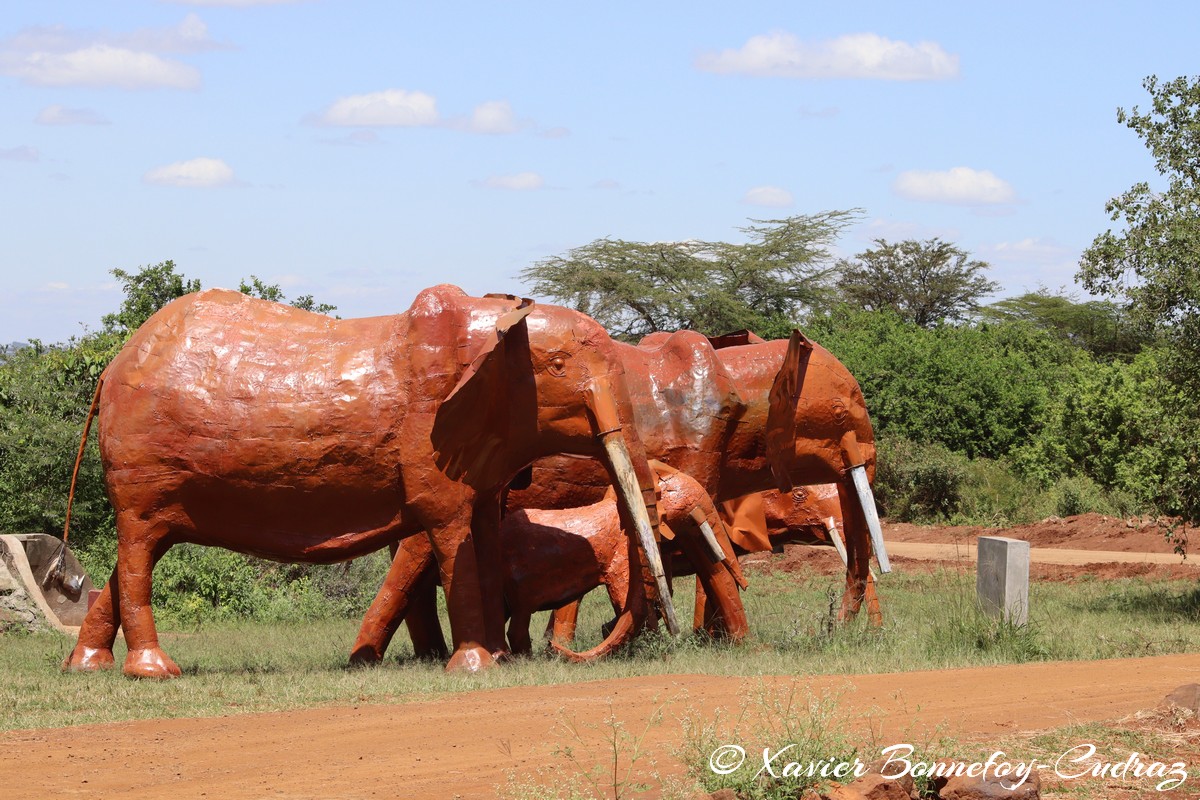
pixel 462 746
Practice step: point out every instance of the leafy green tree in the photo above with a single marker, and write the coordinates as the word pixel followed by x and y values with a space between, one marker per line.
pixel 925 283
pixel 636 288
pixel 256 288
pixel 146 291
pixel 980 390
pixel 1098 326
pixel 1154 263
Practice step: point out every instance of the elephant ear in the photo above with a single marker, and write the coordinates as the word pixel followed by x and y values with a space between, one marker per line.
pixel 781 409
pixel 470 425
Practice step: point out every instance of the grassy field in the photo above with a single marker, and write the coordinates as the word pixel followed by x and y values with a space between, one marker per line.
pixel 931 622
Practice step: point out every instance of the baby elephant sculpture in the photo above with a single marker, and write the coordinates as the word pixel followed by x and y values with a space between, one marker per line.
pixel 553 557
pixel 264 429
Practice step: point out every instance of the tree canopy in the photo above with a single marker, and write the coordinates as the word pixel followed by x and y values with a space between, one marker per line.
pixel 1154 263
pixel 925 283
pixel 635 288
pixel 1101 327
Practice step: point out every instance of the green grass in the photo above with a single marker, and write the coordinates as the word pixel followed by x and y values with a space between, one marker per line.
pixel 931 622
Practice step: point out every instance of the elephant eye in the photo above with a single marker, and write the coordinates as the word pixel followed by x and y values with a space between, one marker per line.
pixel 558 366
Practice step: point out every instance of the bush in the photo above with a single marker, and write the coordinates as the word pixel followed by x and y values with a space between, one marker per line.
pixel 918 482
pixel 978 390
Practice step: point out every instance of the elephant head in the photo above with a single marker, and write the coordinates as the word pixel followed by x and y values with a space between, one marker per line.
pixel 817 423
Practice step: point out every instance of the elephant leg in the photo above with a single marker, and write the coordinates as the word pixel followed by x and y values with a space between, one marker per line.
pixel 728 617
pixel 858 552
pixel 393 602
pixel 518 633
pixel 93 650
pixel 485 531
pixel 700 609
pixel 454 548
pixel 424 627
pixel 140 544
pixel 563 621
pixel 874 612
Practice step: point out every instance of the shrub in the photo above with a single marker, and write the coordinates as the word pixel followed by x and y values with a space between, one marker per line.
pixel 918 482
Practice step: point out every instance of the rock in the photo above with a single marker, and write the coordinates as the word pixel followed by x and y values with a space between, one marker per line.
pixel 989 788
pixel 1186 696
pixel 874 786
pixel 838 791
pixel 723 794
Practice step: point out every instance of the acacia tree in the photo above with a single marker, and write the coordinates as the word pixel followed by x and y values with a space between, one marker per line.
pixel 636 288
pixel 1099 326
pixel 1154 264
pixel 923 282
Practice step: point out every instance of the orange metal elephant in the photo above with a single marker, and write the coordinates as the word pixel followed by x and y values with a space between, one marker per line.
pixel 554 557
pixel 253 426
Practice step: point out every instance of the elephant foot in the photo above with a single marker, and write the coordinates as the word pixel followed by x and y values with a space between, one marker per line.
pixel 470 659
pixel 365 656
pixel 89 659
pixel 150 662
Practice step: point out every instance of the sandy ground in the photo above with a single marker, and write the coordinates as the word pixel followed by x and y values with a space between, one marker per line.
pixel 463 746
pixel 466 745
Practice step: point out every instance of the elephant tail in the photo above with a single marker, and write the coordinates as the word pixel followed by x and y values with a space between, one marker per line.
pixel 87 426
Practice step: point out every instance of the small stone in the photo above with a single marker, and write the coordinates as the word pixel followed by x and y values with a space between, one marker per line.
pixel 723 794
pixel 1186 696
pixel 838 791
pixel 874 786
pixel 964 787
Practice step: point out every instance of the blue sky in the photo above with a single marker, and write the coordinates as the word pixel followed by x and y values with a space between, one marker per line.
pixel 361 151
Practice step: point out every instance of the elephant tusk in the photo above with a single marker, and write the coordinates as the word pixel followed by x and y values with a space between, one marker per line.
pixel 715 553
pixel 618 455
pixel 867 500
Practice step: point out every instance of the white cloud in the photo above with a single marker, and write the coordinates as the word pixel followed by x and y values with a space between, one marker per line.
pixel 522 182
pixel 61 115
pixel 959 186
pixel 59 56
pixel 494 116
pixel 196 173
pixel 20 153
pixel 103 65
pixel 770 196
pixel 57 286
pixel 389 108
pixel 861 55
pixel 1034 250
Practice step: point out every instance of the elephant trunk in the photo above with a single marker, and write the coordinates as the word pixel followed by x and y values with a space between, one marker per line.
pixel 629 622
pixel 867 500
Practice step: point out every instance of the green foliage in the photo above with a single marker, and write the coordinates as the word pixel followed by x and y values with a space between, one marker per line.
pixel 925 283
pixel 146 291
pixel 1127 428
pixel 256 288
pixel 1100 327
pixel 978 390
pixel 918 482
pixel 635 288
pixel 1155 262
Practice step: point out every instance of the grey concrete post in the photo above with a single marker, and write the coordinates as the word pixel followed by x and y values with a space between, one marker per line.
pixel 1002 578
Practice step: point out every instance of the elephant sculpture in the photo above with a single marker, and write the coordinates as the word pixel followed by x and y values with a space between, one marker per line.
pixel 554 557
pixel 268 430
pixel 739 414
pixel 804 423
